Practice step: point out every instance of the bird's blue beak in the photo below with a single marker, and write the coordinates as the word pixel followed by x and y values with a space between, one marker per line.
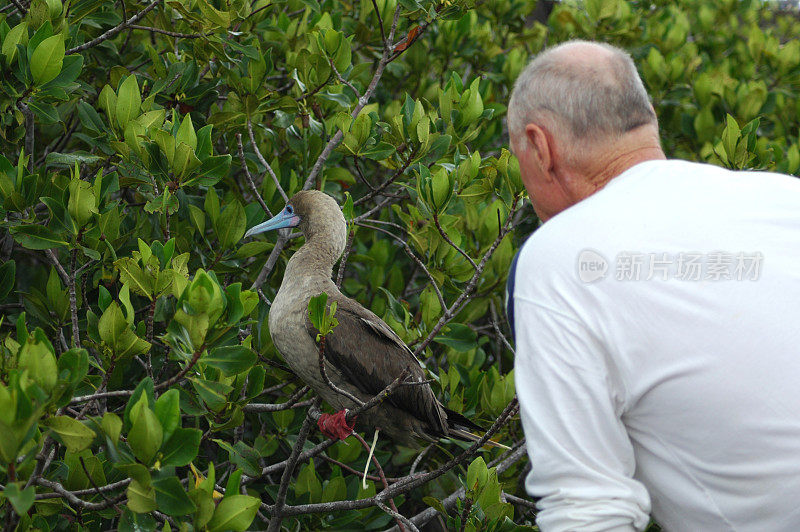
pixel 285 218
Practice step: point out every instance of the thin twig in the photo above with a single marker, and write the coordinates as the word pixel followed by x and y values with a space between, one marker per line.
pixel 380 23
pixel 263 161
pixel 413 257
pixel 29 132
pixel 249 177
pixel 115 30
pixel 292 402
pixel 392 508
pixel 171 33
pixel 412 481
pixel 20 7
pixel 342 80
pixel 362 101
pixel 73 300
pixel 449 241
pixel 327 380
pixel 76 502
pixel 283 488
pixel 462 299
pixel 271 261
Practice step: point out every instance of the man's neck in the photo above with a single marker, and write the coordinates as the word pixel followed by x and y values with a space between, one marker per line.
pixel 636 148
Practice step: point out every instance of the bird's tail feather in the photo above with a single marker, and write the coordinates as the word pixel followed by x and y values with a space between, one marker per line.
pixel 460 427
pixel 468 436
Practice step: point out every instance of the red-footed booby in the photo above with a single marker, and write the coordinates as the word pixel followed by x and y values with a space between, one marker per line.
pixel 363 355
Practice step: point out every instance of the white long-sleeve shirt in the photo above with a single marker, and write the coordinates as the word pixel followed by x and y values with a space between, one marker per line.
pixel 668 383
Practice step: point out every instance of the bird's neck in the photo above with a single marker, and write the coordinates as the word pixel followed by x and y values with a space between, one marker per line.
pixel 314 258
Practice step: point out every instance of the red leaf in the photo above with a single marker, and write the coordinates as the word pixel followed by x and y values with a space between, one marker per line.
pixel 412 35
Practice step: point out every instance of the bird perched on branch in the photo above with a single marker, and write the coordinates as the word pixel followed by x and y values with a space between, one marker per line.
pixel 362 355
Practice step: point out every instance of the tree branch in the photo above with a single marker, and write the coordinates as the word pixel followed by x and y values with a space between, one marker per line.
pixel 449 241
pixel 327 380
pixel 373 84
pixel 283 488
pixel 29 132
pixel 462 299
pixel 292 402
pixel 115 30
pixel 262 160
pixel 249 177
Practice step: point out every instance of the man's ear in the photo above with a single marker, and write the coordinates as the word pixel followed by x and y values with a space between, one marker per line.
pixel 541 143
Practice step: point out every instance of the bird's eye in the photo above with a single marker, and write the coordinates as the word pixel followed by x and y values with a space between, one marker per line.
pixel 289 209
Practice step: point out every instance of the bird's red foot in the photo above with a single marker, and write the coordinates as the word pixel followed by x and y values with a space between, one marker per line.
pixel 335 426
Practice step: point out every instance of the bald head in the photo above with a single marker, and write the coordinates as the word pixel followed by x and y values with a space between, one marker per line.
pixel 587 91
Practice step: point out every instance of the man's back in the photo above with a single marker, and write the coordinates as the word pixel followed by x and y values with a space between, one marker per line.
pixel 679 364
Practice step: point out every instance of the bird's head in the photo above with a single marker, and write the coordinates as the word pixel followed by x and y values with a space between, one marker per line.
pixel 316 214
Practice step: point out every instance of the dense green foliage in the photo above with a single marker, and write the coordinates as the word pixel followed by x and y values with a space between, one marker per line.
pixel 138 383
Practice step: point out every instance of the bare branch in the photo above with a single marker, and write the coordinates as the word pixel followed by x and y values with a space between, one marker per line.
pixel 416 260
pixel 449 241
pixel 362 101
pixel 76 501
pixel 29 132
pixel 91 491
pixel 342 80
pixel 463 299
pixel 171 33
pixel 324 374
pixel 115 30
pixel 271 261
pixel 249 177
pixel 263 161
pixel 283 488
pixel 292 402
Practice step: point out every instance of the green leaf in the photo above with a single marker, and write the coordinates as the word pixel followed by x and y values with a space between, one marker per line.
pixel 47 59
pixel 141 498
pixel 17 35
pixel 231 360
pixel 308 482
pixel 112 426
pixel 75 435
pixel 231 224
pixel 21 499
pixel 335 490
pixel 181 448
pixel 168 412
pixel 37 237
pixel 129 101
pixel 146 434
pixel 37 357
pixel 172 498
pixel 186 133
pixel 45 112
pixel 215 16
pixel 477 473
pixel 8 271
pixel 459 336
pixel 68 160
pixel 82 202
pixel 234 513
pixel 144 388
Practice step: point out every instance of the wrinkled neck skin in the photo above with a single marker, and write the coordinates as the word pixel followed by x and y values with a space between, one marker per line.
pixel 317 256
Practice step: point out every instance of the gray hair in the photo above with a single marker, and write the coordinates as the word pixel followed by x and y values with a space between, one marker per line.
pixel 593 101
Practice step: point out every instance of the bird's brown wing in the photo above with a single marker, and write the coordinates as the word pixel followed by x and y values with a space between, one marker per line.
pixel 370 355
